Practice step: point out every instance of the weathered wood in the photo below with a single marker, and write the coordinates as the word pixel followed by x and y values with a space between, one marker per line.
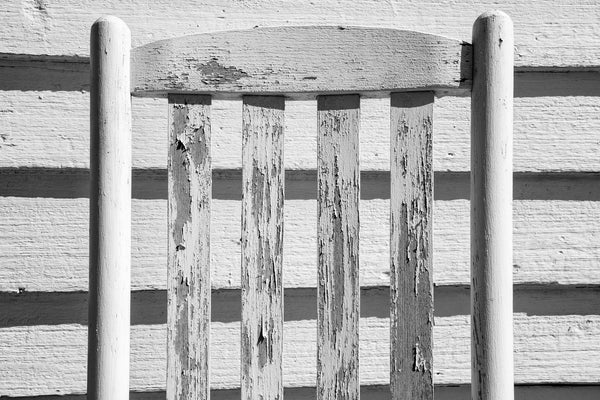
pixel 411 246
pixel 262 247
pixel 188 273
pixel 548 349
pixel 110 211
pixel 313 59
pixel 491 209
pixel 338 181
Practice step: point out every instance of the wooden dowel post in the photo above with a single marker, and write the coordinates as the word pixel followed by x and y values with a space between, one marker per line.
pixel 110 211
pixel 491 209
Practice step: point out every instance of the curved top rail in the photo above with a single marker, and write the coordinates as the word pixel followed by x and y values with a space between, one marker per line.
pixel 301 59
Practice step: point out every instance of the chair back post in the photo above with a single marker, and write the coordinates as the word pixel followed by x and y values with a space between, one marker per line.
pixel 491 208
pixel 447 66
pixel 110 211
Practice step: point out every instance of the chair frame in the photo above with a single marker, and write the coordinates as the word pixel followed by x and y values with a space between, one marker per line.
pixel 485 71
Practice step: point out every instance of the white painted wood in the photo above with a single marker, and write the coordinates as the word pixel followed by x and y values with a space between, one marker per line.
pixel 313 59
pixel 491 208
pixel 411 245
pixel 188 248
pixel 546 34
pixel 548 349
pixel 262 247
pixel 338 223
pixel 555 131
pixel 43 244
pixel 110 211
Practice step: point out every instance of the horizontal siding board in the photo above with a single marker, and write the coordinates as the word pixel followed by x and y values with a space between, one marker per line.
pixel 545 34
pixel 381 392
pixel 552 133
pixel 149 306
pixel 46 360
pixel 149 184
pixel 43 242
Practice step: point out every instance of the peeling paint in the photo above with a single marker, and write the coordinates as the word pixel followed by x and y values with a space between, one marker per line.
pixel 420 362
pixel 214 73
pixel 188 290
pixel 338 235
pixel 262 247
pixel 411 253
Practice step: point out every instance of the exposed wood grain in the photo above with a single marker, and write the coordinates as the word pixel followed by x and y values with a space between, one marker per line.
pixel 43 244
pixel 188 268
pixel 338 180
pixel 548 349
pixel 262 247
pixel 60 27
pixel 491 209
pixel 553 132
pixel 110 211
pixel 411 246
pixel 314 59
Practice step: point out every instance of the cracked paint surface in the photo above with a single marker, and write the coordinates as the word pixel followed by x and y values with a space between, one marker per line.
pixel 338 234
pixel 188 289
pixel 262 247
pixel 411 315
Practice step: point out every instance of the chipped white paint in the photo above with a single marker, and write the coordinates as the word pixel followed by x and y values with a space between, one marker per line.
pixel 315 59
pixel 50 360
pixel 262 248
pixel 338 304
pixel 411 246
pixel 110 211
pixel 491 209
pixel 188 266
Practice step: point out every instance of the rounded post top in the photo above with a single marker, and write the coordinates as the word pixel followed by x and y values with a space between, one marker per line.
pixel 110 23
pixel 496 18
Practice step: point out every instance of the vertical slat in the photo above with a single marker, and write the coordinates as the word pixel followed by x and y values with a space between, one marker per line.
pixel 262 247
pixel 188 288
pixel 110 211
pixel 338 292
pixel 411 246
pixel 491 208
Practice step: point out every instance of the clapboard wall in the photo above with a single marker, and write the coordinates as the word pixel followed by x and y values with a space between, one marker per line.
pixel 44 152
